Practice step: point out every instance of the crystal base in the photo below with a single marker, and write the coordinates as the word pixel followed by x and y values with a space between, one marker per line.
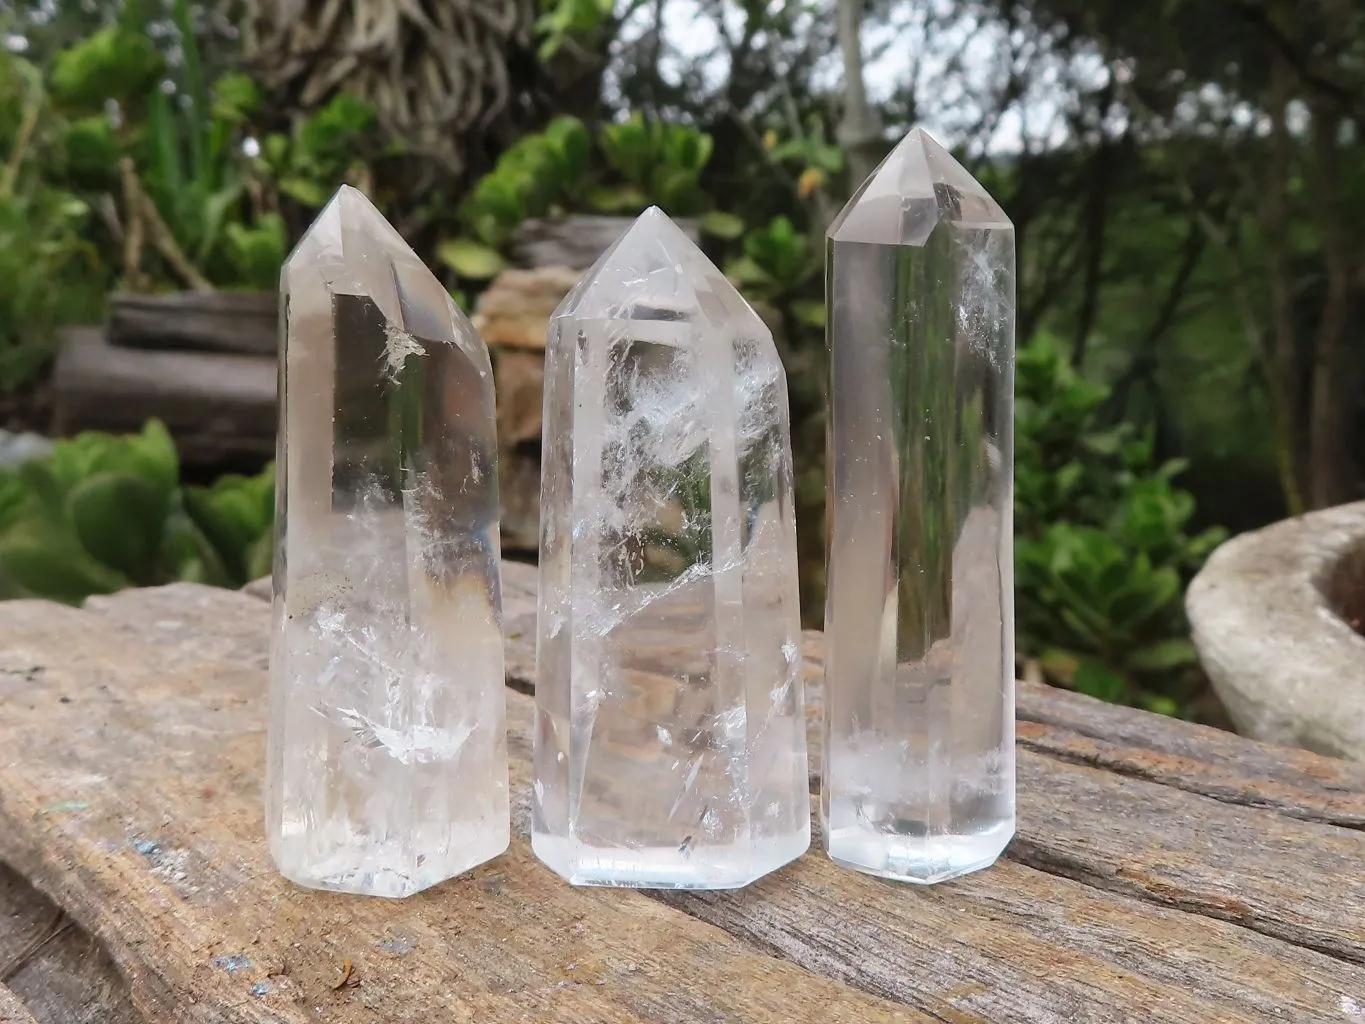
pixel 916 858
pixel 361 869
pixel 714 867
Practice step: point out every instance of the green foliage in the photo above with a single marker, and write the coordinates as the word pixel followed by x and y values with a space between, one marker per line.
pixel 535 175
pixel 777 261
pixel 660 163
pixel 50 271
pixel 114 63
pixel 1102 548
pixel 257 252
pixel 563 21
pixel 322 150
pixel 42 242
pixel 235 517
pixel 104 512
pixel 546 173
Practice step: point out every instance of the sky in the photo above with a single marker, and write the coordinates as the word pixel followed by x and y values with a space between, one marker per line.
pixel 924 41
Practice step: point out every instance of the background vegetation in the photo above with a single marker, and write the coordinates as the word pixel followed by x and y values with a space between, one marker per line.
pixel 1185 181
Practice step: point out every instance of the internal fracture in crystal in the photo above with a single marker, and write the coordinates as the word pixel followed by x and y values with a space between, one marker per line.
pixel 670 732
pixel 387 767
pixel 918 768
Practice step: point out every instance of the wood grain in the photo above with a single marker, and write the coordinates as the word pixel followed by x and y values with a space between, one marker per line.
pixel 1011 944
pixel 55 969
pixel 1159 841
pixel 208 321
pixel 214 403
pixel 1299 881
pixel 1210 762
pixel 1214 763
pixel 156 732
pixel 11 1010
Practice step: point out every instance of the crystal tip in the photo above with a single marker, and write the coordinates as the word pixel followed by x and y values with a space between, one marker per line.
pixel 918 185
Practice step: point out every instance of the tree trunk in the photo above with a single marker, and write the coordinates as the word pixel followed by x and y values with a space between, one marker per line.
pixel 1330 477
pixel 1283 376
pixel 859 131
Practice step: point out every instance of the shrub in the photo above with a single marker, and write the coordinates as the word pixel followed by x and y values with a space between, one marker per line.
pixel 104 512
pixel 1102 548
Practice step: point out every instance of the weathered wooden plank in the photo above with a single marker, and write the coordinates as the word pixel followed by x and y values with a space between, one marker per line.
pixel 11 1010
pixel 1219 764
pixel 214 403
pixel 574 242
pixel 1300 881
pixel 208 321
pixel 161 746
pixel 57 971
pixel 1211 762
pixel 1011 944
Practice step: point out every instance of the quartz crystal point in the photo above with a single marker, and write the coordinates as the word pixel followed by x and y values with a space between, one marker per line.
pixel 670 732
pixel 918 779
pixel 387 767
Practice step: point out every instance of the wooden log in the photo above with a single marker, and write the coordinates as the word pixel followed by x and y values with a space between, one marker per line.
pixel 215 404
pixel 199 321
pixel 1144 931
pixel 162 744
pixel 576 241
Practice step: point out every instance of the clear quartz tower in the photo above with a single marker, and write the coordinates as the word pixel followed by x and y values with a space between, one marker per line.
pixel 670 743
pixel 387 765
pixel 918 779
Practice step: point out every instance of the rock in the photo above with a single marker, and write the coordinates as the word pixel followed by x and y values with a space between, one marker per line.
pixel 16 449
pixel 520 377
pixel 513 311
pixel 1267 620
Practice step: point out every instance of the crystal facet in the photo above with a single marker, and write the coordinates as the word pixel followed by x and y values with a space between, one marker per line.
pixel 918 779
pixel 670 730
pixel 387 767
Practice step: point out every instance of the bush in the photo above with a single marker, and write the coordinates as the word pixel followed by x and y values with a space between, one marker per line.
pixel 1102 551
pixel 104 512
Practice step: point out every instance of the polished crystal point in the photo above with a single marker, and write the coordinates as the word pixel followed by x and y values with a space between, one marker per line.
pixel 670 729
pixel 918 766
pixel 387 768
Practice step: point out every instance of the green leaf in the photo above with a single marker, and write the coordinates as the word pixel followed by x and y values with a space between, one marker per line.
pixel 811 312
pixel 112 64
pixel 471 259
pixel 744 271
pixel 573 144
pixel 235 98
pixel 1093 679
pixel 51 565
pixel 622 199
pixel 223 533
pixel 119 519
pixel 1163 656
pixel 1159 704
pixel 43 484
pixel 722 225
pixel 308 193
pixel 275 150
pixel 627 148
pixel 260 556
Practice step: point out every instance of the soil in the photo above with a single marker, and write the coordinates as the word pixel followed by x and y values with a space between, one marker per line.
pixel 1345 591
pixel 1351 602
